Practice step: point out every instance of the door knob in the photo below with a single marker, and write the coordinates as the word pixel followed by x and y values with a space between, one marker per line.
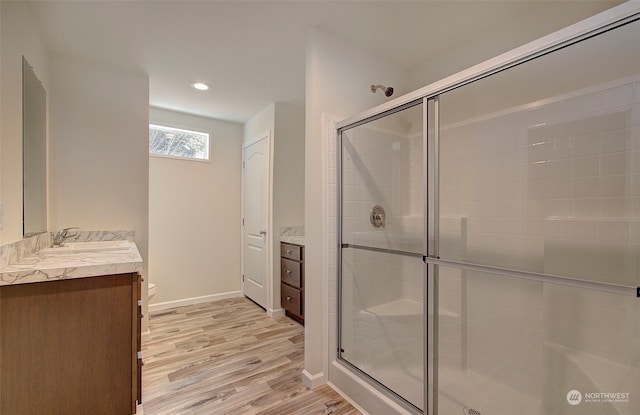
pixel 263 232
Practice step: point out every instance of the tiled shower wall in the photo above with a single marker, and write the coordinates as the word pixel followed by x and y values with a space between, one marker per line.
pixel 567 170
pixel 554 189
pixel 376 171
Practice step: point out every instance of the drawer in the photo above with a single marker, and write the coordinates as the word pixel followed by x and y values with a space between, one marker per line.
pixel 290 251
pixel 290 299
pixel 290 272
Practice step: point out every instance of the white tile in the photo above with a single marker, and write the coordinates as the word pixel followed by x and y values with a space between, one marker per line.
pixel 586 207
pixel 613 231
pixel 534 226
pixel 537 190
pixel 614 185
pixel 613 164
pixel 560 188
pixel 615 141
pixel 540 152
pixel 559 207
pixel 559 169
pixel 585 146
pixel 581 229
pixel 556 229
pixel 586 186
pixel 585 166
pixel 562 149
pixel 537 207
pixel 537 170
pixel 613 207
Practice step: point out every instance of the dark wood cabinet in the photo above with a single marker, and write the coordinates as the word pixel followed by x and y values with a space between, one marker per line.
pixel 70 346
pixel 292 280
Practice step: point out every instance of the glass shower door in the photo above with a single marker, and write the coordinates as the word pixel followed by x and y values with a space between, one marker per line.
pixel 381 248
pixel 538 218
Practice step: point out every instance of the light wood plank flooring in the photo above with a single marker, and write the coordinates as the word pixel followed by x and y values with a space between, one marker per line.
pixel 228 357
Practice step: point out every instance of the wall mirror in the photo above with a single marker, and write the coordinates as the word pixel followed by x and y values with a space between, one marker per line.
pixel 34 152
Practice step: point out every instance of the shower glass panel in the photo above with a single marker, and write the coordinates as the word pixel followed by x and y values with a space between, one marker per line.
pixel 524 346
pixel 381 274
pixel 539 173
pixel 542 163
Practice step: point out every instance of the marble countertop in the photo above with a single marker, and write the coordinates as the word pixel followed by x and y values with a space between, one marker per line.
pixel 40 266
pixel 298 240
pixel 292 235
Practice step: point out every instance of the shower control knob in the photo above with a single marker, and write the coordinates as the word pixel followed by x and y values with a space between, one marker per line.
pixel 377 216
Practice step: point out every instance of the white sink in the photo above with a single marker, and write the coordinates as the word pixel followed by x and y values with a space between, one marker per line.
pixel 78 247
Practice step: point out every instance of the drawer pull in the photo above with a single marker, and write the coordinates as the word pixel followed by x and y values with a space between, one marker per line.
pixel 288 271
pixel 288 251
pixel 288 298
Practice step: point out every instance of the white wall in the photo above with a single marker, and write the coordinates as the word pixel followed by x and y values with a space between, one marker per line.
pixel 99 140
pixel 194 214
pixel 288 171
pixel 288 179
pixel 338 81
pixel 19 35
pixel 286 124
pixel 263 121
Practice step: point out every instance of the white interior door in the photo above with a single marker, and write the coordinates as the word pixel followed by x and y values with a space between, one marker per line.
pixel 256 220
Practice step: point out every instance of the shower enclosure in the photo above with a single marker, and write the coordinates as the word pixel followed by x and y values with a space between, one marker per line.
pixel 489 236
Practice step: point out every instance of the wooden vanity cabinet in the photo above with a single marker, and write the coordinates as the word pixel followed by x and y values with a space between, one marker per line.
pixel 70 346
pixel 292 280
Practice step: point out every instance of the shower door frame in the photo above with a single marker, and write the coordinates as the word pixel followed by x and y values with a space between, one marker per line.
pixel 340 245
pixel 594 26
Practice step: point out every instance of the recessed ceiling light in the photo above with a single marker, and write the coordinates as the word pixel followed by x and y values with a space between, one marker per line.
pixel 201 86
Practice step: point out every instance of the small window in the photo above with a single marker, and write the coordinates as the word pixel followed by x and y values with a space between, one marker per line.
pixel 178 143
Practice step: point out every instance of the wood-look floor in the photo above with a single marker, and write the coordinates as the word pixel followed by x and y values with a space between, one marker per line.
pixel 228 357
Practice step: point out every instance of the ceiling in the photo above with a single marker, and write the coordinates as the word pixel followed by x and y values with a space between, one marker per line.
pixel 253 52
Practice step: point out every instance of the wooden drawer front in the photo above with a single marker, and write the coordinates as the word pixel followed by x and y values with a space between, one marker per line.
pixel 290 272
pixel 291 251
pixel 290 299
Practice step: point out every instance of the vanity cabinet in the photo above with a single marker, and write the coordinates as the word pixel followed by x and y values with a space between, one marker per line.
pixel 71 346
pixel 292 280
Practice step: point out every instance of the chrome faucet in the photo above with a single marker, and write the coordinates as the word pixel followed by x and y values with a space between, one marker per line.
pixel 62 235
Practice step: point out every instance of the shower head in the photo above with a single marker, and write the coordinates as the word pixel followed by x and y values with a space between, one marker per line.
pixel 388 91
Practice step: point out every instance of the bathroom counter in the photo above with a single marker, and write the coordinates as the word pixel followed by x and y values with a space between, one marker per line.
pixel 297 240
pixel 40 267
pixel 292 235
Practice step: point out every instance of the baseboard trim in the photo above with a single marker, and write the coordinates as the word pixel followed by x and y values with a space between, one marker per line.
pixel 313 381
pixel 278 312
pixel 193 300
